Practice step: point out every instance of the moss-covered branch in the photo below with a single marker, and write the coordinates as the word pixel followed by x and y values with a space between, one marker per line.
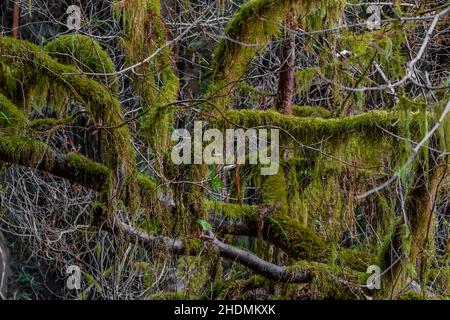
pixel 37 155
pixel 306 129
pixel 25 65
pixel 73 167
pixel 251 28
pixel 85 53
pixel 299 242
pixel 10 115
pixel 405 251
pixel 245 258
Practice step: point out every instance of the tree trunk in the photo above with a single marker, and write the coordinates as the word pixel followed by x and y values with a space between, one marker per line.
pixel 419 209
pixel 16 19
pixel 286 84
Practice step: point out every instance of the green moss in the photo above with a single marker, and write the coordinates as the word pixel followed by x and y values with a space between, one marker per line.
pixel 85 53
pixel 304 79
pixel 294 204
pixel 236 289
pixel 148 189
pixel 313 129
pixel 250 29
pixel 23 151
pixel 85 168
pixel 358 259
pixel 298 241
pixel 10 115
pixel 273 191
pixel 253 25
pixel 411 295
pixel 192 246
pixel 155 82
pixel 327 283
pixel 313 112
pixel 179 295
pixel 230 210
pixel 35 154
pixel 44 124
pixel 28 60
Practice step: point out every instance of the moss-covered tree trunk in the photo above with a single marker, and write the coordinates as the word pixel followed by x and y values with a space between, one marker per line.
pixel 406 255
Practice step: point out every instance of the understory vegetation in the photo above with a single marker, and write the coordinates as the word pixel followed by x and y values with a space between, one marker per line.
pixel 86 137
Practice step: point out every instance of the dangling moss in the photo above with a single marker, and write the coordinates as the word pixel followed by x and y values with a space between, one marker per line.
pixel 253 25
pixel 10 115
pixel 307 130
pixel 274 193
pixel 179 295
pixel 26 60
pixel 412 295
pixel 22 150
pixel 155 82
pixel 236 289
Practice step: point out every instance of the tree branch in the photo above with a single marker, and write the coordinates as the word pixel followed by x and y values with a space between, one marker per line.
pixel 174 246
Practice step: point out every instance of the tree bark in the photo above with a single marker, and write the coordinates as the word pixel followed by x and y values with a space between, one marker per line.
pixel 16 19
pixel 286 84
pixel 419 209
pixel 268 270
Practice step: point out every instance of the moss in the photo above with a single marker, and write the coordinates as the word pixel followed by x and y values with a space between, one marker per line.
pixel 328 283
pixel 236 289
pixel 44 124
pixel 23 151
pixel 358 259
pixel 346 166
pixel 28 60
pixel 148 190
pixel 250 29
pixel 304 79
pixel 38 155
pixel 294 204
pixel 298 241
pixel 411 295
pixel 313 112
pixel 313 129
pixel 274 193
pixel 254 24
pixel 192 246
pixel 10 115
pixel 85 53
pixel 179 295
pixel 85 168
pixel 231 211
pixel 155 82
